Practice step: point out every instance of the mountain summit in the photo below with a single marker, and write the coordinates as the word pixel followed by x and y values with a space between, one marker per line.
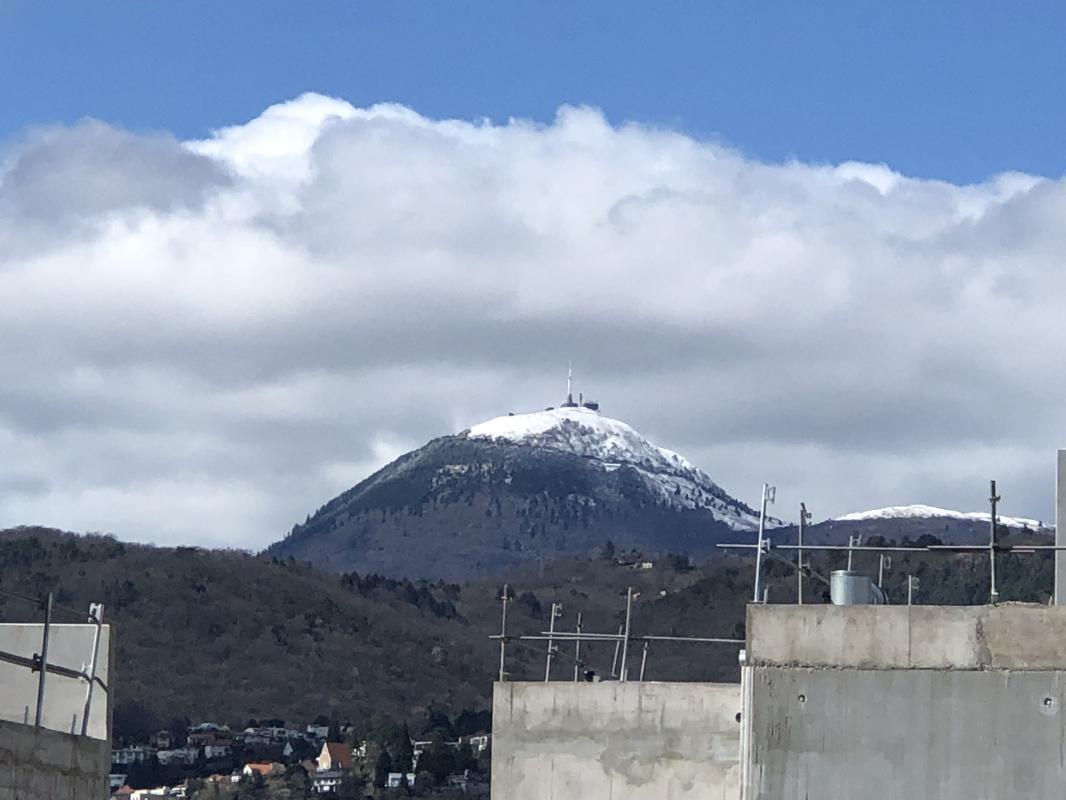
pixel 518 489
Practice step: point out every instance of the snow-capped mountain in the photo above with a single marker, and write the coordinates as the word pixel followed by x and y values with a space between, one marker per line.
pixel 521 488
pixel 610 443
pixel 932 512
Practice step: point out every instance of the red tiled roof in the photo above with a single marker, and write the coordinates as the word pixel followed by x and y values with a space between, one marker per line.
pixel 340 755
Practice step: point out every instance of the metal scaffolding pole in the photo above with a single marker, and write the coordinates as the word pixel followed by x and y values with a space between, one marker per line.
pixel 44 659
pixel 768 493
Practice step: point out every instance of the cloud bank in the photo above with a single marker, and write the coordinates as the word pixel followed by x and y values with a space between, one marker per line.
pixel 203 341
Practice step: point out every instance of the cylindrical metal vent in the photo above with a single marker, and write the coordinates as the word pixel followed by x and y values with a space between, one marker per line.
pixel 848 588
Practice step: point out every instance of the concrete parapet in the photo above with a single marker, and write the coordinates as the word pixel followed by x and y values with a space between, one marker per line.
pixel 40 764
pixel 1011 636
pixel 616 741
pixel 840 734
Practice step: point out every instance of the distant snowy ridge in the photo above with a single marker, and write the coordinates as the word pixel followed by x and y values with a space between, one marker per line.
pixel 926 512
pixel 588 434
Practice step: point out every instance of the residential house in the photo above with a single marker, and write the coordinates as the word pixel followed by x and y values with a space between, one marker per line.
pixel 317 731
pixel 116 780
pixel 327 781
pixel 479 742
pixel 396 779
pixel 182 755
pixel 212 751
pixel 335 756
pixel 122 793
pixel 163 740
pixel 136 754
pixel 266 770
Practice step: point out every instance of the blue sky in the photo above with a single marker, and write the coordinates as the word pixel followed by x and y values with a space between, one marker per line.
pixel 951 90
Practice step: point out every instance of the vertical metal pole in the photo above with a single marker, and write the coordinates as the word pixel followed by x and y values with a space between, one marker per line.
pixel 644 659
pixel 768 492
pixel 44 660
pixel 853 541
pixel 503 635
pixel 625 641
pixel 577 650
pixel 910 589
pixel 993 499
pixel 96 617
pixel 556 610
pixel 799 554
pixel 617 647
pixel 880 569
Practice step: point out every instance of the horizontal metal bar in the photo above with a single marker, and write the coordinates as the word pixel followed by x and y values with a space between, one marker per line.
pixel 611 637
pixel 999 548
pixel 699 639
pixel 832 547
pixel 843 548
pixel 54 669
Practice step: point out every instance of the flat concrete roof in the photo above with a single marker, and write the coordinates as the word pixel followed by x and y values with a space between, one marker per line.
pixel 1014 636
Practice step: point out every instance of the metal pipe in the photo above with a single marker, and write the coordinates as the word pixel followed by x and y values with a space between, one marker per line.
pixel 612 637
pixel 625 642
pixel 96 617
pixel 503 635
pixel 799 553
pixel 644 659
pixel 556 610
pixel 767 496
pixel 577 650
pixel 853 542
pixel 884 562
pixel 617 646
pixel 44 660
pixel 993 499
pixel 961 548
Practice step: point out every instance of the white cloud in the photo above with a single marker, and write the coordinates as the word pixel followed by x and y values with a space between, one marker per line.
pixel 204 341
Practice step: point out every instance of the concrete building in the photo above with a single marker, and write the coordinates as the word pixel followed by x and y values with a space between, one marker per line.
pixel 53 760
pixel 623 741
pixel 835 703
pixel 894 702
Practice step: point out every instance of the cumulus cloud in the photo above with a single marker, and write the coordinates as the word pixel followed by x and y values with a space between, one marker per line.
pixel 203 341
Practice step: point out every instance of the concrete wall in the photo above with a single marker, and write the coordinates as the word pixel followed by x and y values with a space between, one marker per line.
pixel 39 764
pixel 1011 636
pixel 888 703
pixel 615 741
pixel 69 646
pixel 841 734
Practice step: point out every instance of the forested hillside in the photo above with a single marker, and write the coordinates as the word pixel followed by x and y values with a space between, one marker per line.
pixel 227 636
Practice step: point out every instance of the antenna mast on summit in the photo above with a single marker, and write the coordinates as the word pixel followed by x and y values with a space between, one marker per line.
pixel 569 381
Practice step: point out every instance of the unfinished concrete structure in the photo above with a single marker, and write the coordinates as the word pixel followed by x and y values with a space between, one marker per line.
pixel 902 702
pixel 53 760
pixel 623 741
pixel 39 764
pixel 836 703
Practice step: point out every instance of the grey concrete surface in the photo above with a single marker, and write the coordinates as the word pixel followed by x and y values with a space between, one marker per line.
pixel 616 741
pixel 1009 636
pixel 839 734
pixel 69 646
pixel 40 764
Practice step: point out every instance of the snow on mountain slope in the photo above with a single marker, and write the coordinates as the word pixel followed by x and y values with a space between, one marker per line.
pixel 926 512
pixel 588 434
